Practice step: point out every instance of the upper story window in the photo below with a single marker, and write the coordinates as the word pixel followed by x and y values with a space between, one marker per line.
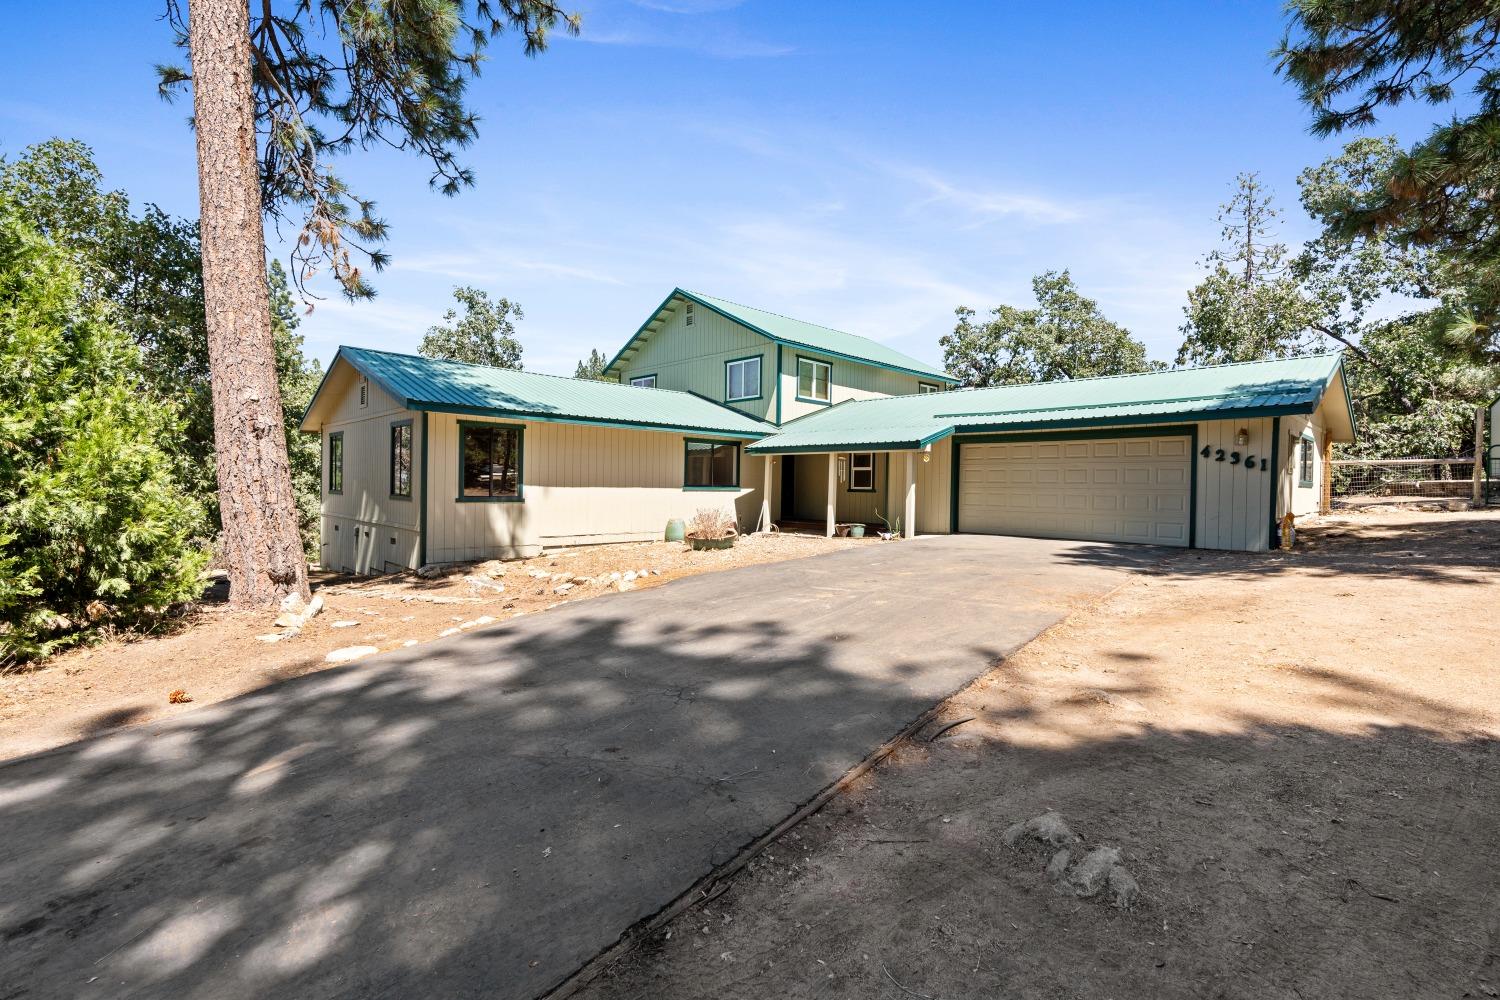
pixel 742 379
pixel 401 460
pixel 814 380
pixel 687 319
pixel 336 462
pixel 924 387
pixel 862 472
pixel 644 381
pixel 1305 462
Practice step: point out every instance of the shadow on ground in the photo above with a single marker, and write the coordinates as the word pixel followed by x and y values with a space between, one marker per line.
pixel 479 816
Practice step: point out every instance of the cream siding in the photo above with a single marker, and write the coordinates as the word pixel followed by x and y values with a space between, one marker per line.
pixel 693 358
pixel 364 528
pixel 1296 498
pixel 851 380
pixel 580 485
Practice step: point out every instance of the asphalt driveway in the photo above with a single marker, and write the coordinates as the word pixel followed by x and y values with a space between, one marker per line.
pixel 480 815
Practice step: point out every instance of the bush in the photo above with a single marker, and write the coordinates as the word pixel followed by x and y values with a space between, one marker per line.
pixel 710 522
pixel 95 529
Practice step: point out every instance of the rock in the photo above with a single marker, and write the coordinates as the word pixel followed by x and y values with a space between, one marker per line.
pixel 562 588
pixel 347 653
pixel 1057 868
pixel 293 603
pixel 288 619
pixel 537 574
pixel 447 632
pixel 1124 887
pixel 644 572
pixel 313 609
pixel 582 581
pixel 1048 828
pixel 615 575
pixel 344 624
pixel 409 642
pixel 484 583
pixel 1091 874
pixel 624 585
pixel 272 637
pixel 490 568
pixel 560 577
pixel 485 620
pixel 432 571
pixel 630 576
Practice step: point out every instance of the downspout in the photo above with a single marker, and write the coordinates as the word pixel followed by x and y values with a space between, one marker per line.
pixel 422 507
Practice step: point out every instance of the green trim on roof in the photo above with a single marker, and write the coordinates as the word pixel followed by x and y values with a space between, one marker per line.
pixel 432 385
pixel 796 333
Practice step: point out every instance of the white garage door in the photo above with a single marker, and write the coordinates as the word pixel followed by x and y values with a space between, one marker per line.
pixel 1132 489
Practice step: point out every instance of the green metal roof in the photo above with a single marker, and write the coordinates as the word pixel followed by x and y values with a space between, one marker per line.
pixel 1257 388
pixel 454 387
pixel 795 333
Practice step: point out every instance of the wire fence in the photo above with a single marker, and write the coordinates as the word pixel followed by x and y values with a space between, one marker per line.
pixel 1402 477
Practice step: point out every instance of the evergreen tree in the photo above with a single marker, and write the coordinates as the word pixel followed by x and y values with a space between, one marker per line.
pixel 485 334
pixel 95 528
pixel 1250 306
pixel 275 97
pixel 1065 336
pixel 592 367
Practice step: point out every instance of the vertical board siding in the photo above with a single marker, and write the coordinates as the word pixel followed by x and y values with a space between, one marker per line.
pixel 851 380
pixel 692 358
pixel 1296 498
pixel 934 484
pixel 364 529
pixel 580 485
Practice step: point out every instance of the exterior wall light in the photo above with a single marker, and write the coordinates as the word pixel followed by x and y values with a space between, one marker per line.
pixel 1242 438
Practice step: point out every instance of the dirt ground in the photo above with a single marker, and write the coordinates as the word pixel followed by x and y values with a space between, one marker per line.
pixel 1297 754
pixel 214 653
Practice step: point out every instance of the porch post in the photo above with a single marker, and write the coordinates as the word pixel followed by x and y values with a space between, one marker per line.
pixel 909 516
pixel 833 490
pixel 764 524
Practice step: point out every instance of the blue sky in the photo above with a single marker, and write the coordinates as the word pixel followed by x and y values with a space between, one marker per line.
pixel 867 165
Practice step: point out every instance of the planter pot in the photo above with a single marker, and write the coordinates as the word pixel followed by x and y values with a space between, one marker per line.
pixel 842 530
pixel 676 530
pixel 699 544
pixel 856 531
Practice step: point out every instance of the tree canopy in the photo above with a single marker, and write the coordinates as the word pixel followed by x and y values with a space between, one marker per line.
pixel 334 76
pixel 483 334
pixel 1064 336
pixel 592 367
pixel 1352 60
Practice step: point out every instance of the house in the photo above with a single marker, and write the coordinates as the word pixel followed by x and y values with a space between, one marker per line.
pixel 771 419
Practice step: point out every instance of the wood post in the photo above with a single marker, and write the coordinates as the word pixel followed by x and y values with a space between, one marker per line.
pixel 909 510
pixel 1325 498
pixel 1479 457
pixel 764 524
pixel 833 490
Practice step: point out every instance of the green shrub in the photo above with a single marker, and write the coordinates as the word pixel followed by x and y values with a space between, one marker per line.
pixel 95 529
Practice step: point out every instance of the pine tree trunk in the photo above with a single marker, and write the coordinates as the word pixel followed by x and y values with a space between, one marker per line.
pixel 260 541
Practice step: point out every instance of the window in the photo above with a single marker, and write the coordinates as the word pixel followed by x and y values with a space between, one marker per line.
pixel 814 379
pixel 336 462
pixel 687 319
pixel 711 465
pixel 644 381
pixel 862 472
pixel 925 387
pixel 401 459
pixel 490 455
pixel 1305 462
pixel 742 379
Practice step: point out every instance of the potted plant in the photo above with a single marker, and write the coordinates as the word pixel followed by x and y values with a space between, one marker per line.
pixel 711 529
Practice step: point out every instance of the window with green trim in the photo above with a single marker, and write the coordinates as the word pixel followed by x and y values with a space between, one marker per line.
pixel 711 465
pixel 926 387
pixel 814 380
pixel 491 456
pixel 336 462
pixel 1305 462
pixel 644 381
pixel 862 472
pixel 401 459
pixel 742 379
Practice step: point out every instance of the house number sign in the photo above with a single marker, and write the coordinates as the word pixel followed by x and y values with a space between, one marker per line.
pixel 1234 458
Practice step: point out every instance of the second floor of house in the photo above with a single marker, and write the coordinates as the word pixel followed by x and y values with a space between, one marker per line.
pixel 770 366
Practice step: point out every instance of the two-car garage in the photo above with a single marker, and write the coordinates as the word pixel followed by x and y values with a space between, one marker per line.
pixel 1108 489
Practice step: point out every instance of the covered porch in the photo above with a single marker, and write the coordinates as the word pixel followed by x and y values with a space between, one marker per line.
pixel 809 491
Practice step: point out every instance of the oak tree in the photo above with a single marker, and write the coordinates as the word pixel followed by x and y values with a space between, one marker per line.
pixel 484 334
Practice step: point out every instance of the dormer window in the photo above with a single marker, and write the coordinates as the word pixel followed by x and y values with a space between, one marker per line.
pixel 687 319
